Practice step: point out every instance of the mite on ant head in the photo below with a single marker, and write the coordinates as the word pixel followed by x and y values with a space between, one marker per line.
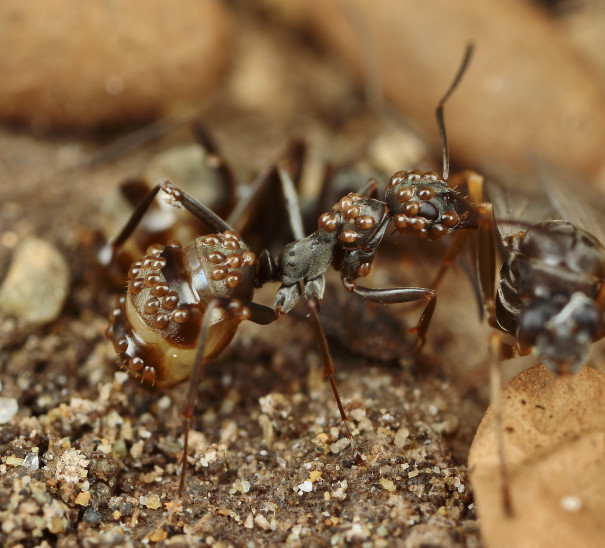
pixel 183 304
pixel 550 297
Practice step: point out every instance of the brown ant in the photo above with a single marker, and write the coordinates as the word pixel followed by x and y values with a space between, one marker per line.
pixel 184 303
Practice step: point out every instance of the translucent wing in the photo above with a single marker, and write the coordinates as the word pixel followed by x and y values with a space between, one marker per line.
pixel 547 194
pixel 572 198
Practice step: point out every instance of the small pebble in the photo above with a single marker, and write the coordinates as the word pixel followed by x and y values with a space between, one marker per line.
pixel 314 475
pixel 387 485
pixel 37 283
pixel 239 486
pixel 31 462
pixel 305 487
pixel 262 522
pixel 92 517
pixel 153 502
pixel 83 498
pixel 339 445
pixel 8 409
pixel 401 436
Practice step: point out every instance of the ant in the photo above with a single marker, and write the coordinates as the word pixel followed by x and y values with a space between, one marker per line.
pixel 550 293
pixel 184 303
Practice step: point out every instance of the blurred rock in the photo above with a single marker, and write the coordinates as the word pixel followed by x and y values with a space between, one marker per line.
pixel 527 89
pixel 554 432
pixel 68 63
pixel 37 282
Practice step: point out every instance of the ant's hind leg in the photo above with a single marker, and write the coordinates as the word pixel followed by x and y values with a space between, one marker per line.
pixel 313 291
pixel 500 351
pixel 177 198
pixel 242 311
pixel 400 295
pixel 313 306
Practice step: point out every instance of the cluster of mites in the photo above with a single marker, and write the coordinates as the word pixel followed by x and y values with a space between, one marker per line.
pixel 226 266
pixel 162 306
pixel 414 189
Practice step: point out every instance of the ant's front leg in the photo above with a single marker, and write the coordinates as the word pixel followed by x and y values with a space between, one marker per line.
pixel 313 290
pixel 400 295
pixel 472 184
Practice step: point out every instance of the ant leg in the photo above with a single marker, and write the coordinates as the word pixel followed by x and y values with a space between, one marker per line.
pixel 239 216
pixel 194 383
pixel 216 160
pixel 177 198
pixel 473 183
pixel 457 244
pixel 109 251
pixel 400 295
pixel 486 261
pixel 251 211
pixel 313 305
pixel 370 189
pixel 292 205
pixel 246 311
pixel 500 351
pixel 313 290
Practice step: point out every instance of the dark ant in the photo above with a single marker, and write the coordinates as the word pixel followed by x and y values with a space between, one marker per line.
pixel 183 304
pixel 419 203
pixel 550 296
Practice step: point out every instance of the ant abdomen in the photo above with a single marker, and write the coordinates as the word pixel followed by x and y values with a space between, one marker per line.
pixel 155 326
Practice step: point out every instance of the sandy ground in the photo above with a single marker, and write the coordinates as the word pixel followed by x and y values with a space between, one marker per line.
pixel 91 458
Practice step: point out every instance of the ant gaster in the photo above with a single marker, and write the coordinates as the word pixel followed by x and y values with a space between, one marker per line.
pixel 184 303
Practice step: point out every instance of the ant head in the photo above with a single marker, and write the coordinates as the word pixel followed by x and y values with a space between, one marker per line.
pixel 424 204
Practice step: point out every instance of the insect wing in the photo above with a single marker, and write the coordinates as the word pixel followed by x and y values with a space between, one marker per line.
pixel 572 198
pixel 515 211
pixel 549 194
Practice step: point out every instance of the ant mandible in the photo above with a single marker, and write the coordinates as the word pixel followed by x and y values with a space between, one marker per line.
pixel 183 304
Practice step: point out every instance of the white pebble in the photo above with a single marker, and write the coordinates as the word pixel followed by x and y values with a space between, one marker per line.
pixel 571 503
pixel 37 282
pixel 8 409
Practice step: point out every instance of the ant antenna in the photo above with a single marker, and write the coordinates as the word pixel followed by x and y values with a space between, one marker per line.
pixel 439 111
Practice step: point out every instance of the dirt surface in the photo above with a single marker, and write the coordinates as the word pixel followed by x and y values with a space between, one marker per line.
pixel 92 458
